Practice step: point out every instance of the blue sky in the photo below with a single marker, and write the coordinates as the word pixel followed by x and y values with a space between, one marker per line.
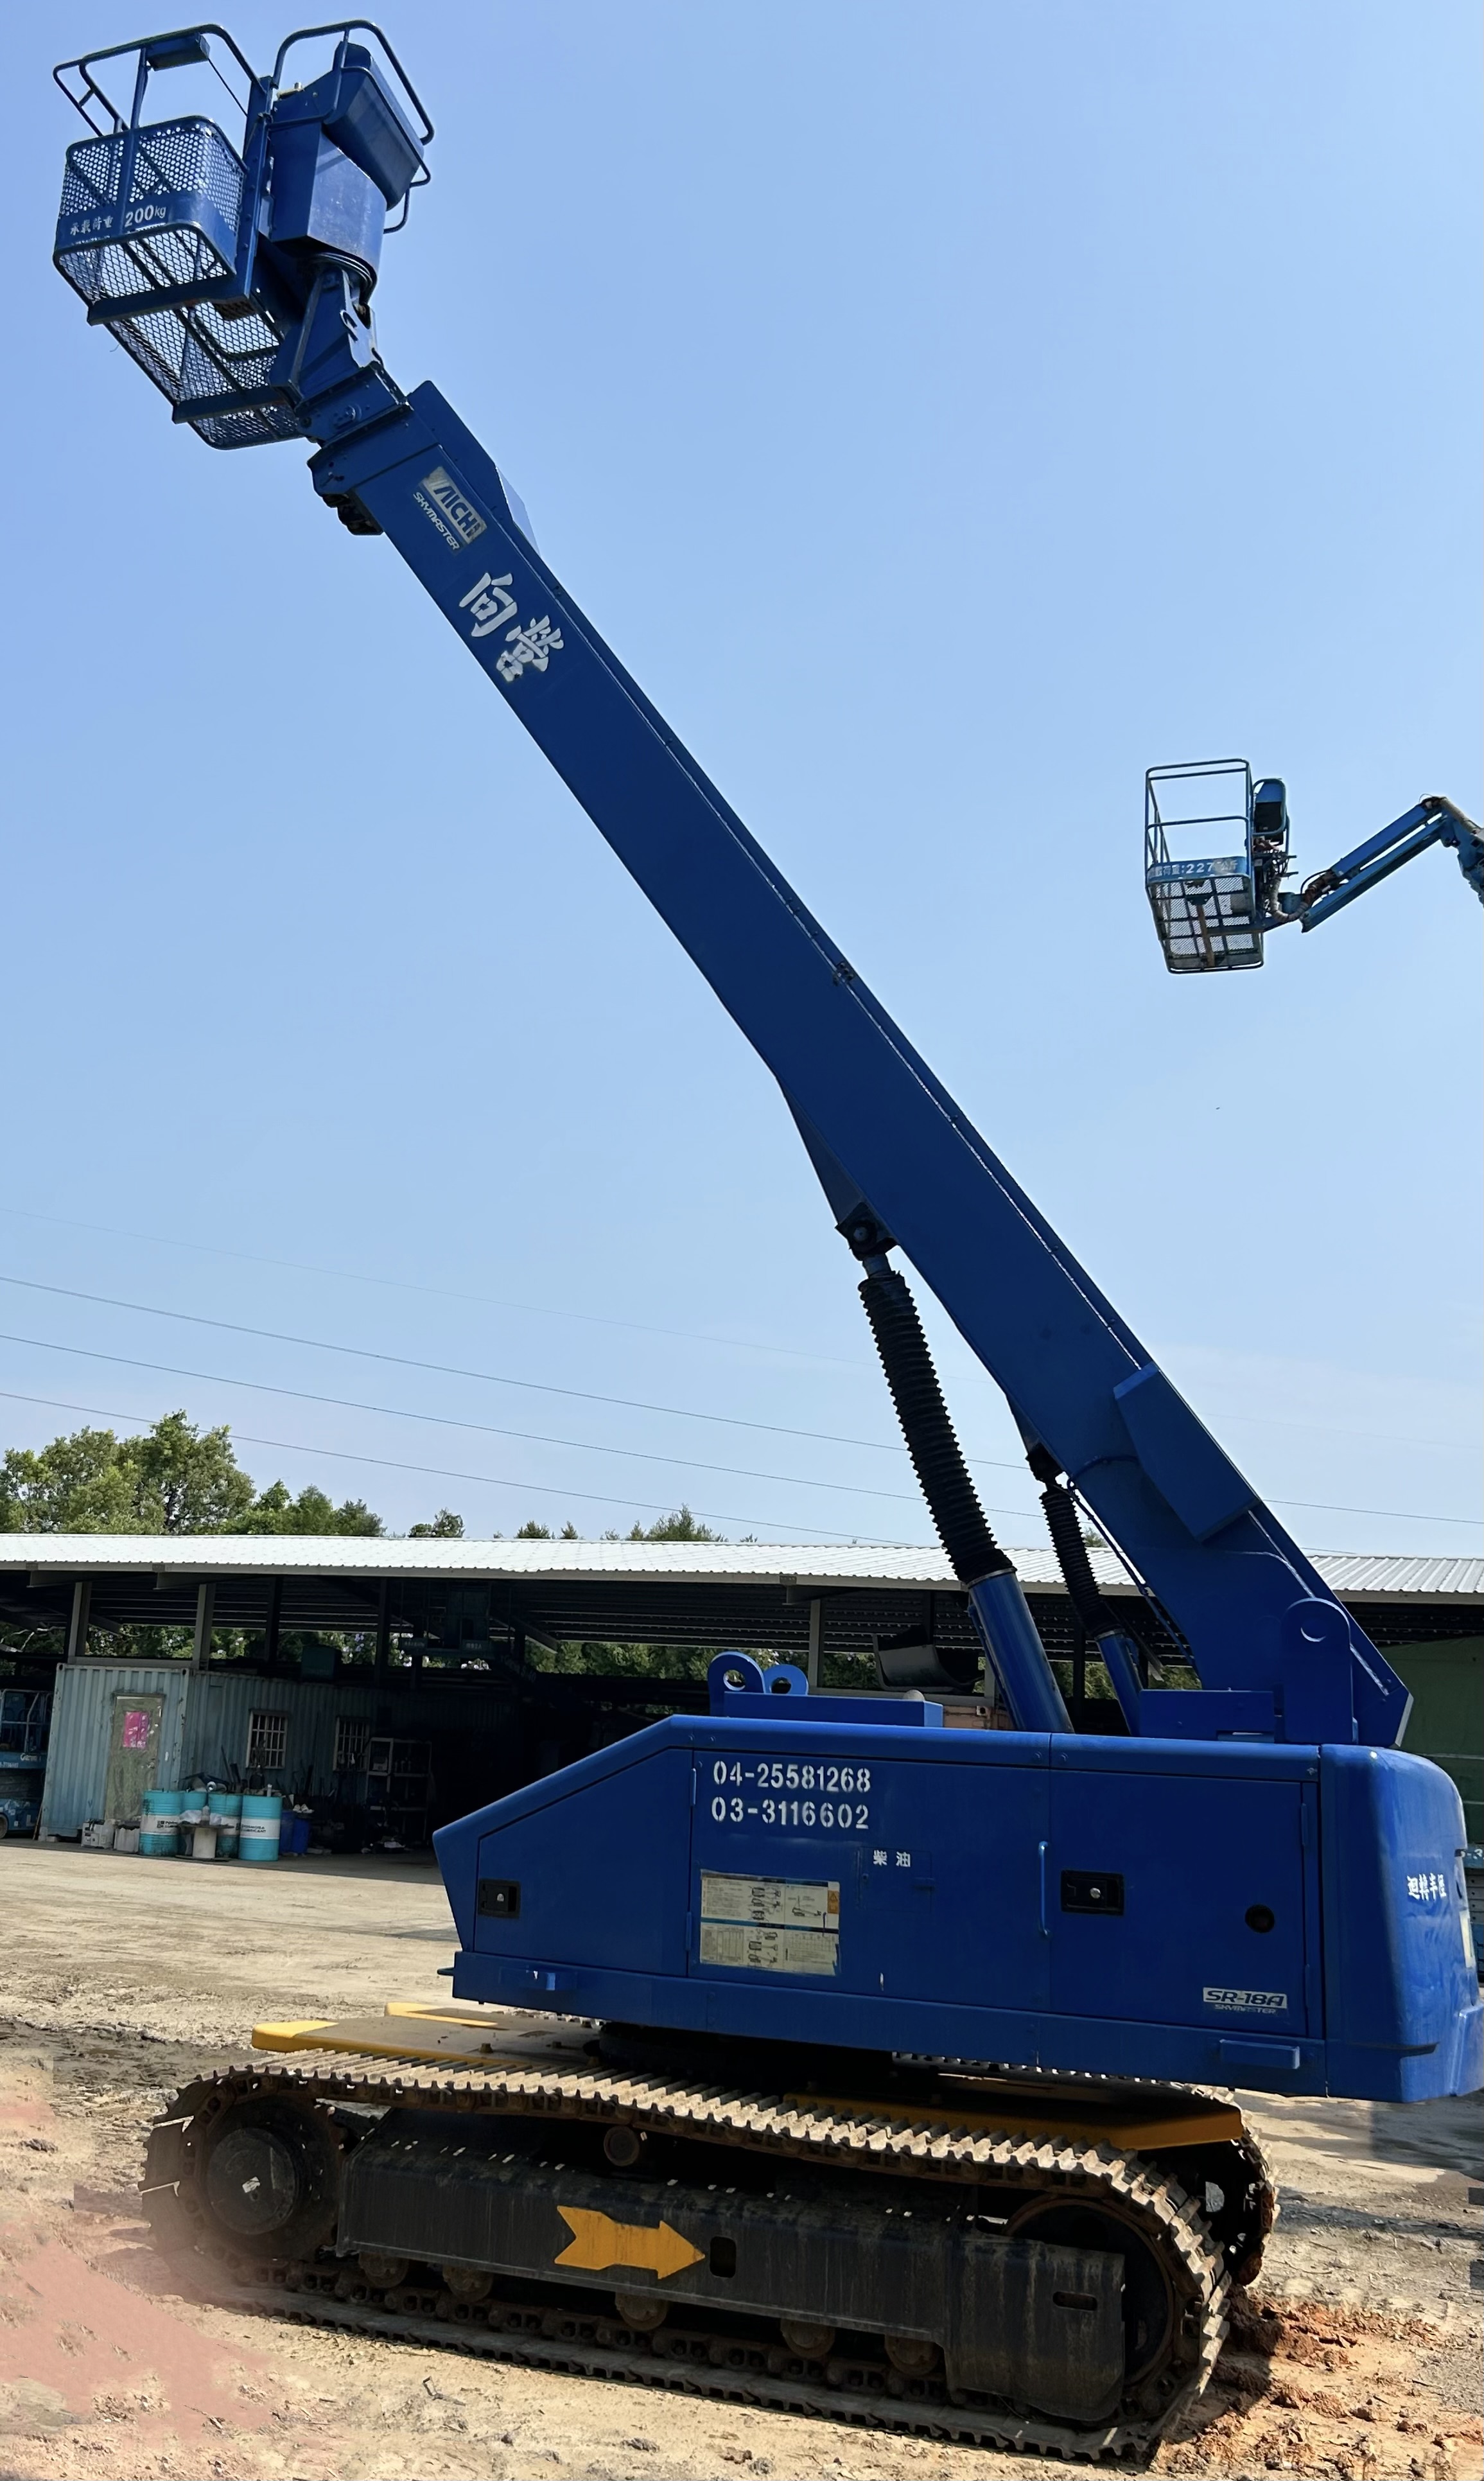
pixel 947 412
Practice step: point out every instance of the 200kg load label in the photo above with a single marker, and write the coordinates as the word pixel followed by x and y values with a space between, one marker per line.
pixel 770 1924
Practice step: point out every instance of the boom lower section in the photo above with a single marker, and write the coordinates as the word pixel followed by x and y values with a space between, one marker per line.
pixel 880 1128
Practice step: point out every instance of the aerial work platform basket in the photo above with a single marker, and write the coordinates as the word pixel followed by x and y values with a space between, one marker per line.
pixel 201 255
pixel 149 235
pixel 1205 907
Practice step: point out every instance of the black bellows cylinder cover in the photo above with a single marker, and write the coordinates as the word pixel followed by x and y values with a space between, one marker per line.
pixel 931 1440
pixel 1064 1526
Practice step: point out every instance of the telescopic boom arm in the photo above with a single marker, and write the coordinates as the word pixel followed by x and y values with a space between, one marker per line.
pixel 1433 820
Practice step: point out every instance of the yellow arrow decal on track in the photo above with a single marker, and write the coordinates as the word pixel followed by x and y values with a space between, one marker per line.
pixel 598 2242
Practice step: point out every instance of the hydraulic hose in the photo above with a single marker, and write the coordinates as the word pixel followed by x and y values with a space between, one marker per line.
pixel 932 1442
pixel 1063 1524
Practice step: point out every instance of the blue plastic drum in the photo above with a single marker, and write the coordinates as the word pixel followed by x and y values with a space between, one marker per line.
pixel 226 1818
pixel 262 1817
pixel 159 1824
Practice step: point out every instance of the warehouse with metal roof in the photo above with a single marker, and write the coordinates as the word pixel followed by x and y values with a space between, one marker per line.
pixel 465 1668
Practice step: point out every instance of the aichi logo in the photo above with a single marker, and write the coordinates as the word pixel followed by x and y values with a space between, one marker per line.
pixel 458 510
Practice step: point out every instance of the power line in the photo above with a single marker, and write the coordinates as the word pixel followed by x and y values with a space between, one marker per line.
pixel 448 1422
pixel 485 1377
pixel 1339 1507
pixel 683 1464
pixel 491 1481
pixel 1347 1431
pixel 973 1370
pixel 432 1292
pixel 685 1336
pixel 627 1403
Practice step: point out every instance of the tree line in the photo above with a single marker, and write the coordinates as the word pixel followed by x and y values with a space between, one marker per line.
pixel 177 1479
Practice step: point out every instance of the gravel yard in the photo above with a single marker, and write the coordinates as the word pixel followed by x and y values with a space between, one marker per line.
pixel 1360 2353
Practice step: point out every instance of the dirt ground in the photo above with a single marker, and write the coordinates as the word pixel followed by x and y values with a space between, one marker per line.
pixel 1358 2354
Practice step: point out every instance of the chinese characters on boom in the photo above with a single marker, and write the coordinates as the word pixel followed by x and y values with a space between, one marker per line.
pixel 1429 1882
pixel 489 605
pixel 787 1792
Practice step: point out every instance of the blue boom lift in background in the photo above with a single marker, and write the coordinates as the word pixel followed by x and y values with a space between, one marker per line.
pixel 1214 912
pixel 840 2050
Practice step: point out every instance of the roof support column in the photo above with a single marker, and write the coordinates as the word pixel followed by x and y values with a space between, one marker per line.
pixel 383 1630
pixel 1079 1697
pixel 813 1658
pixel 77 1621
pixel 205 1612
pixel 271 1619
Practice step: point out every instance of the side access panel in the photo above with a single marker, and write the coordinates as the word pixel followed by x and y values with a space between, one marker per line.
pixel 895 1876
pixel 605 1881
pixel 1180 1899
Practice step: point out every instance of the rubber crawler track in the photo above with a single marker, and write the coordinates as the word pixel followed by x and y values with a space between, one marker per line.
pixel 689 2356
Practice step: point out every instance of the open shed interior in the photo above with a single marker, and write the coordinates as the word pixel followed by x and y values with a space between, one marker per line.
pixel 392 1685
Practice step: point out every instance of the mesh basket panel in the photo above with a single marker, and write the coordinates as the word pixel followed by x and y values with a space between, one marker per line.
pixel 1206 924
pixel 195 351
pixel 173 155
pixel 253 428
pixel 92 177
pixel 190 349
pixel 79 268
pixel 213 362
pixel 112 271
pixel 188 155
pixel 156 339
pixel 238 340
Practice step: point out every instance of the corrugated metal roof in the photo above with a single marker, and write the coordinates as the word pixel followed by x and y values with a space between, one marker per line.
pixel 361 1555
pixel 1386 1573
pixel 1382 1576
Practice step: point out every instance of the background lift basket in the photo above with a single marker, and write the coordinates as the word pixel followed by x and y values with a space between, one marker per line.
pixel 1205 908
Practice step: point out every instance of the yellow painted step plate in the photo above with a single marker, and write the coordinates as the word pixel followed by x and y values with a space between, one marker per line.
pixel 1078 2118
pixel 521 2037
pixel 410 2031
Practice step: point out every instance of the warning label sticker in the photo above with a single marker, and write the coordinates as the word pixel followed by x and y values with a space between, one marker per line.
pixel 770 1924
pixel 805 1903
pixel 766 1950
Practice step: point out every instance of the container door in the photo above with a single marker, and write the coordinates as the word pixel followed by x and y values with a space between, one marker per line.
pixel 132 1753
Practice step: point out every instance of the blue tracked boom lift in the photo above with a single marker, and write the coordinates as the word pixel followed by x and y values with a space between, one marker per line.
pixel 808 2051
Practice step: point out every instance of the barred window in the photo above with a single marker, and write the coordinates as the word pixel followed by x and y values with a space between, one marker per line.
pixel 351 1733
pixel 268 1742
